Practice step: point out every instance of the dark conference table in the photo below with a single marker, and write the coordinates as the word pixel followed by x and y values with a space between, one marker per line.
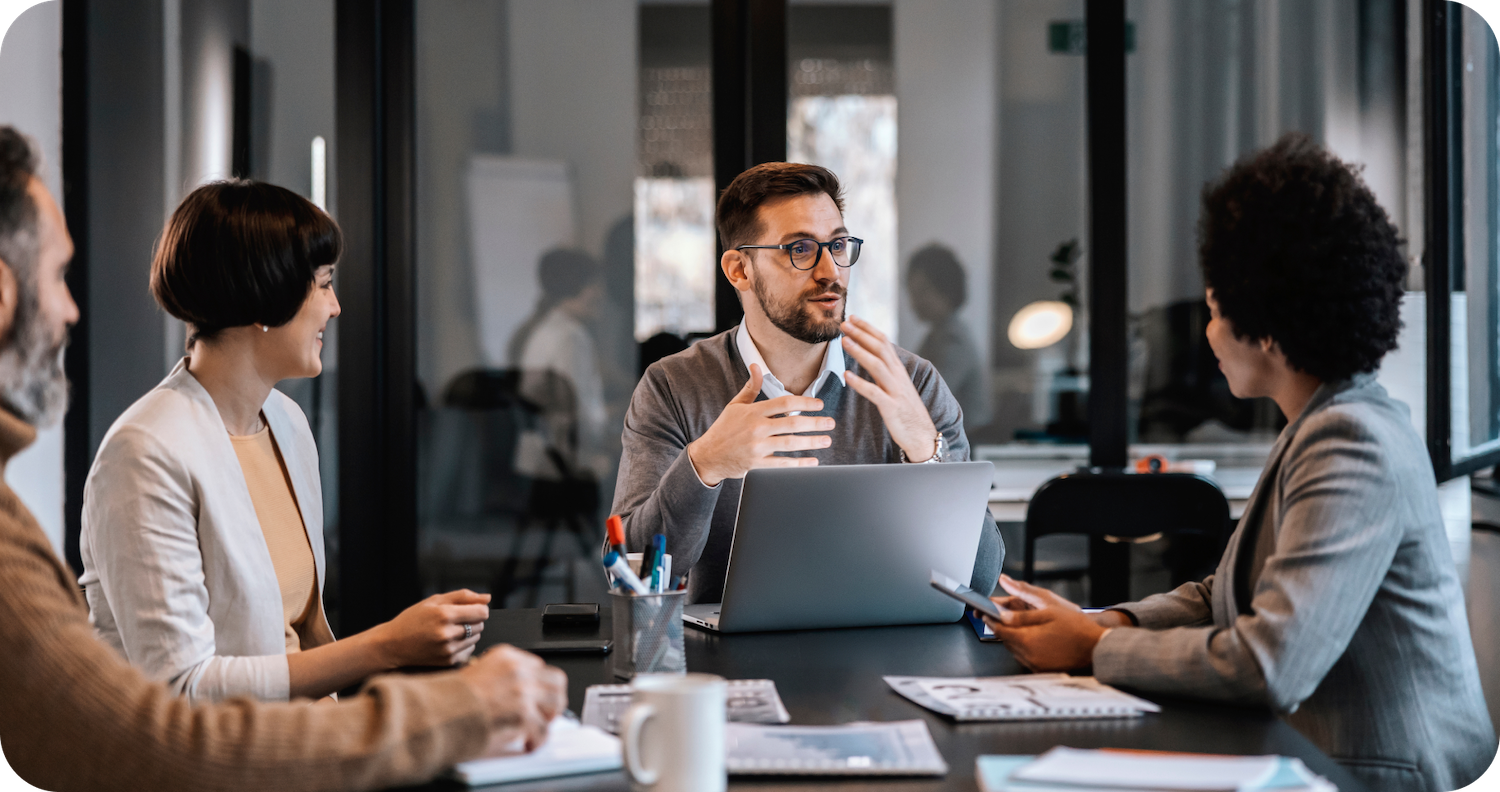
pixel 828 677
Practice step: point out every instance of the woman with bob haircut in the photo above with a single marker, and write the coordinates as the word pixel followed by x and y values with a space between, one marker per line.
pixel 202 536
pixel 1336 604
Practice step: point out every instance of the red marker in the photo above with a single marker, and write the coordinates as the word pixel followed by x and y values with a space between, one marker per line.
pixel 615 527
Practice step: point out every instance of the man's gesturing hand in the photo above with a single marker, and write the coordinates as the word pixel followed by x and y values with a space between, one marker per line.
pixel 891 391
pixel 747 434
pixel 521 695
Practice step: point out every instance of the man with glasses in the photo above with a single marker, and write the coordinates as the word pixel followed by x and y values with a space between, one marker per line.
pixel 775 391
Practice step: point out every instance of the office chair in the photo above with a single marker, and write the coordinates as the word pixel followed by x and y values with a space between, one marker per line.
pixel 532 483
pixel 1115 510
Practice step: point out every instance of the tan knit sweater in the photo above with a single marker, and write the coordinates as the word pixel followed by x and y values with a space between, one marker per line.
pixel 74 715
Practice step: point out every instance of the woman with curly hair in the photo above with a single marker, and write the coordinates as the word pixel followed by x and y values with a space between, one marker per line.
pixel 1336 604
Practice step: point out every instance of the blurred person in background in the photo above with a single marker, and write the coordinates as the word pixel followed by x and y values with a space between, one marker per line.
pixel 938 287
pixel 560 370
pixel 75 716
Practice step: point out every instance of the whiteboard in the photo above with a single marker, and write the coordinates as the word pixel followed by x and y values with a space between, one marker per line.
pixel 518 209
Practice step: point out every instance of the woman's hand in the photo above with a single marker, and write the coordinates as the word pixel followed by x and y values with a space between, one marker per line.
pixel 431 632
pixel 1044 631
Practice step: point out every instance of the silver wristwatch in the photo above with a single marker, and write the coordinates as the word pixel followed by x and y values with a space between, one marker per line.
pixel 939 450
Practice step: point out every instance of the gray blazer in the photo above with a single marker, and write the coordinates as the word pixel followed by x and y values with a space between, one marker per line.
pixel 1336 605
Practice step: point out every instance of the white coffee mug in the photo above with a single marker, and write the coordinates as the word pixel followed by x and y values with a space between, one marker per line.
pixel 673 733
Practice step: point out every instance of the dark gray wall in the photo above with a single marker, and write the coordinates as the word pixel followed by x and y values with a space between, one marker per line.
pixel 125 205
pixel 128 170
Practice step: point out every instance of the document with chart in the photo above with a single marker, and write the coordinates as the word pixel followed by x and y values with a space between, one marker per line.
pixel 746 701
pixel 1020 697
pixel 902 748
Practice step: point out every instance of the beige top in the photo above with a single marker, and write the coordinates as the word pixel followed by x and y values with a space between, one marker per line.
pixel 75 716
pixel 281 523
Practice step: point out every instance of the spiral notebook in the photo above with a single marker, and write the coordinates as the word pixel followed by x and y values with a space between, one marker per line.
pixel 1020 697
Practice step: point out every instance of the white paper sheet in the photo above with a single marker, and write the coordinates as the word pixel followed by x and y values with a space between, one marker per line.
pixel 571 749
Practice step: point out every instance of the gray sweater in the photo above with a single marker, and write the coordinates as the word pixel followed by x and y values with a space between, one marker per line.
pixel 679 398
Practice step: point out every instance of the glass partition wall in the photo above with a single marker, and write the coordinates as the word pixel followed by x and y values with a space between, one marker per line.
pixel 959 131
pixel 1208 82
pixel 564 207
pixel 1474 305
pixel 562 187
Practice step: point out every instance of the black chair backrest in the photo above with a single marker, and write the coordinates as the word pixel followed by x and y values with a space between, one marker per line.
pixel 1113 507
pixel 483 389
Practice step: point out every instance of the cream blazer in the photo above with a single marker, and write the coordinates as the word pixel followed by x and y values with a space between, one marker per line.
pixel 176 570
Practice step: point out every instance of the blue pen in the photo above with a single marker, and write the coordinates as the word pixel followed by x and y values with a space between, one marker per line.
pixel 620 571
pixel 658 554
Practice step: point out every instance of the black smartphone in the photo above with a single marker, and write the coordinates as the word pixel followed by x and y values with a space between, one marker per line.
pixel 571 614
pixel 964 594
pixel 586 646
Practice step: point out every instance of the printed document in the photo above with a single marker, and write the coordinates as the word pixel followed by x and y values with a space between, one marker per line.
pixel 902 748
pixel 1020 697
pixel 747 701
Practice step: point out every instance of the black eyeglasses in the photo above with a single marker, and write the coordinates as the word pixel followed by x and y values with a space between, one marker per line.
pixel 806 253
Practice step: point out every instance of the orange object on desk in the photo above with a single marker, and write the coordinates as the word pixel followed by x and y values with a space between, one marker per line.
pixel 1155 463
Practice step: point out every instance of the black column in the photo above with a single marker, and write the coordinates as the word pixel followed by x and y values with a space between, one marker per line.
pixel 750 96
pixel 78 453
pixel 1441 152
pixel 1107 300
pixel 377 527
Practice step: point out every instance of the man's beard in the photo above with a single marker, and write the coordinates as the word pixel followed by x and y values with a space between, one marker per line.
pixel 33 384
pixel 795 316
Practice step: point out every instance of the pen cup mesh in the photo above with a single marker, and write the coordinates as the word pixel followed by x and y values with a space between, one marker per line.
pixel 648 634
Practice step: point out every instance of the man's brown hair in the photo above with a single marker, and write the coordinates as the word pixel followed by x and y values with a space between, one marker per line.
pixel 738 213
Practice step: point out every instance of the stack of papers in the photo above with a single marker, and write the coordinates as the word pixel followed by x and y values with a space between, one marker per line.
pixel 902 748
pixel 571 749
pixel 747 701
pixel 1074 769
pixel 1020 697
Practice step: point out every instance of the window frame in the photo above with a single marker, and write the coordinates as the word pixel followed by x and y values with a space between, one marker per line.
pixel 1442 254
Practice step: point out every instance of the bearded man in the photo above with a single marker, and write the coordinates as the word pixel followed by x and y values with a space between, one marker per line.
pixel 772 392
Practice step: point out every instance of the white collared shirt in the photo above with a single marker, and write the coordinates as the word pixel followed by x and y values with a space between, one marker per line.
pixel 833 366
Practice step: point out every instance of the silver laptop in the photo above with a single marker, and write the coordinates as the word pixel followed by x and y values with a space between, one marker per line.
pixel 849 546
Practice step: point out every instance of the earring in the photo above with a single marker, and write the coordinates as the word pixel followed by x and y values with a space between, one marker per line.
pixel 265 329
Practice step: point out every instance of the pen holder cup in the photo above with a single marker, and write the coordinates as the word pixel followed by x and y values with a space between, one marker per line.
pixel 648 634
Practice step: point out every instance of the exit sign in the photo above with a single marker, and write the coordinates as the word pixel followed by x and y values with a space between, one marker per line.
pixel 1070 37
